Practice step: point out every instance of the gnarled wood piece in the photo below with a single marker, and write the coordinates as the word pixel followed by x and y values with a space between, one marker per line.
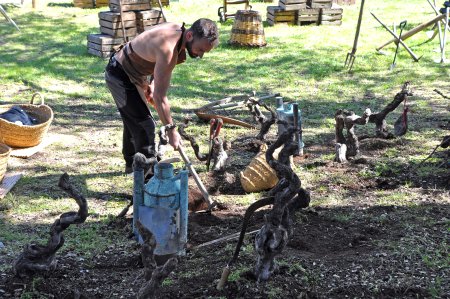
pixel 194 144
pixel 37 257
pixel 153 274
pixel 379 119
pixel 254 106
pixel 301 200
pixel 348 120
pixel 220 156
pixel 273 236
pixel 163 141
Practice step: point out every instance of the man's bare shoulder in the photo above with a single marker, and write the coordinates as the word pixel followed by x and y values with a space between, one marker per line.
pixel 164 30
pixel 160 39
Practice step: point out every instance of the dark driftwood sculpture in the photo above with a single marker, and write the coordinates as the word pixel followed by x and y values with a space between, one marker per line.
pixel 163 141
pixel 194 144
pixel 286 197
pixel 220 156
pixel 153 274
pixel 253 106
pixel 36 257
pixel 379 119
pixel 274 235
pixel 348 146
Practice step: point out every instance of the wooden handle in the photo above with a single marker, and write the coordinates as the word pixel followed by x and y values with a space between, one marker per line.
pixel 400 40
pixel 195 175
pixel 413 31
pixel 37 94
pixel 223 279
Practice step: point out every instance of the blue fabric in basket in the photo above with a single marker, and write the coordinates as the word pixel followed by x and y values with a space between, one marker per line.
pixel 18 114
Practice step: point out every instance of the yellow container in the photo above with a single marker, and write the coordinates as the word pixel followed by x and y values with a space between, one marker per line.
pixel 258 175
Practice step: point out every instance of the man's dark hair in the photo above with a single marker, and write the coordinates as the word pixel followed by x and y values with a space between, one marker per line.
pixel 205 28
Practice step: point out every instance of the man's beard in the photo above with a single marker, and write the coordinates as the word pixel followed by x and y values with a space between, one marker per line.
pixel 189 49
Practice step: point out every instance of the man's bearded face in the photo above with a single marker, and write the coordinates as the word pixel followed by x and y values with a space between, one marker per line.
pixel 189 45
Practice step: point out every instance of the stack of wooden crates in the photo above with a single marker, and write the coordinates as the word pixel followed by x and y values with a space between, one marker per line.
pixel 137 16
pixel 305 12
pixel 90 3
pixel 348 2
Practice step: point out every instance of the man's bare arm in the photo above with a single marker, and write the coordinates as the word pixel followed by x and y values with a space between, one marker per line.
pixel 165 63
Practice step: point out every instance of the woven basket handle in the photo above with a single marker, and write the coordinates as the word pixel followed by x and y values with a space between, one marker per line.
pixel 37 94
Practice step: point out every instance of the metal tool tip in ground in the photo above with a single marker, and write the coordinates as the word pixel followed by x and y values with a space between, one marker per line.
pixel 212 206
pixel 379 52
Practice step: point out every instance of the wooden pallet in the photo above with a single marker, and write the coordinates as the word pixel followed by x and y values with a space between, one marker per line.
pixel 146 19
pixel 331 16
pixel 320 3
pixel 292 4
pixel 276 14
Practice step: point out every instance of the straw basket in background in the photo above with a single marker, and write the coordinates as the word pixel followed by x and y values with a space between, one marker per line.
pixel 248 29
pixel 4 156
pixel 258 175
pixel 16 135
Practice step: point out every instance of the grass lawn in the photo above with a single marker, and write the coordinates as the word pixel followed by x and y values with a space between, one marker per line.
pixel 378 229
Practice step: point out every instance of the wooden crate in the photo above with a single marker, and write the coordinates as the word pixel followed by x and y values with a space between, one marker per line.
pixel 347 2
pixel 101 3
pixel 101 45
pixel 115 16
pixel 84 3
pixel 155 3
pixel 320 3
pixel 111 24
pixel 331 16
pixel 276 14
pixel 308 16
pixel 117 32
pixel 128 5
pixel 292 4
pixel 146 19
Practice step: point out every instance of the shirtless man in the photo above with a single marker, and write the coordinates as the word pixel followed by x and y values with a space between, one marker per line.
pixel 153 53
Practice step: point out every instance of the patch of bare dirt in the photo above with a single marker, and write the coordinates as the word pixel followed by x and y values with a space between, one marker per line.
pixel 357 249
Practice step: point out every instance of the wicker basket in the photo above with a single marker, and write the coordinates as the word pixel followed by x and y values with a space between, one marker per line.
pixel 248 29
pixel 4 156
pixel 258 175
pixel 26 136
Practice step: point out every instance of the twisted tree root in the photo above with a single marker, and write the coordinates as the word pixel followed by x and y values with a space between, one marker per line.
pixel 37 257
pixel 273 236
pixel 348 147
pixel 153 274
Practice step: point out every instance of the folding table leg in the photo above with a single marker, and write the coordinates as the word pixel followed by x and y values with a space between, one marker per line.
pixel 8 18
